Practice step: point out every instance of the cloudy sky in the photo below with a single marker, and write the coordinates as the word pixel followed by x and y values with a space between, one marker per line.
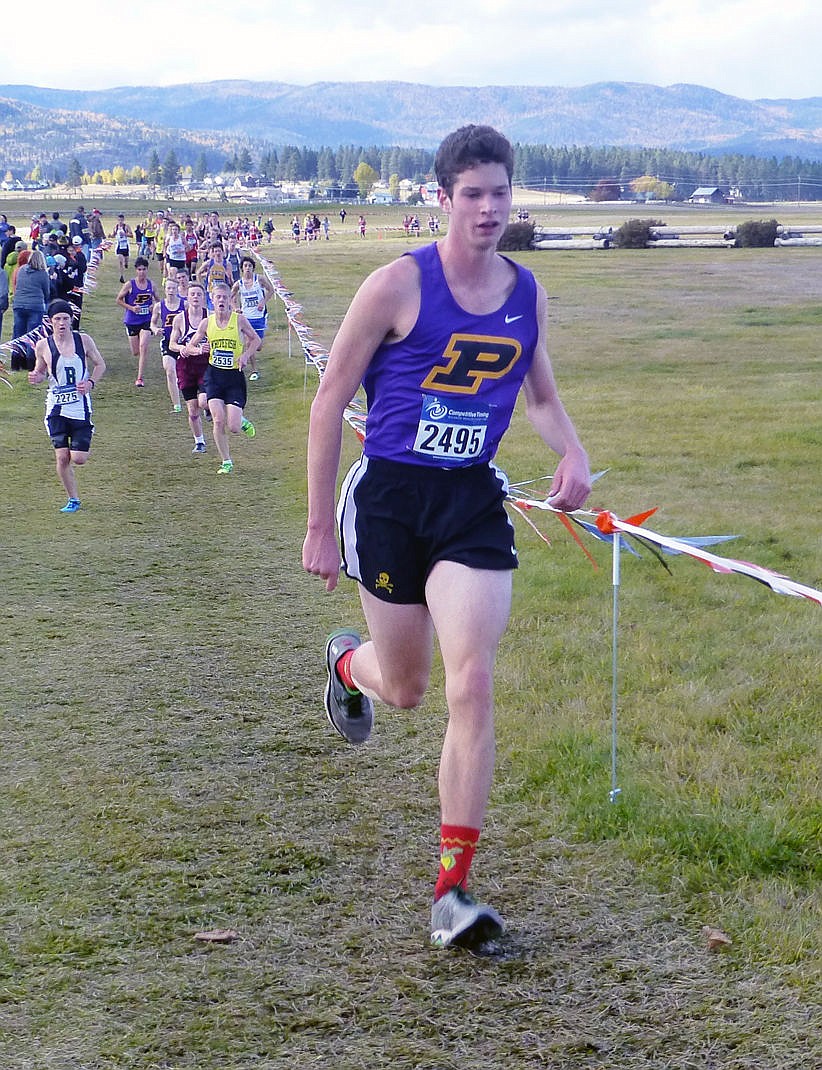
pixel 748 48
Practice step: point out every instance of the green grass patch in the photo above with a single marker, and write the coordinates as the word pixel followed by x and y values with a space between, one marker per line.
pixel 167 767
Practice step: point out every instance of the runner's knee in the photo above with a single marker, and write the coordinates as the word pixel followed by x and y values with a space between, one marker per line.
pixel 470 688
pixel 404 693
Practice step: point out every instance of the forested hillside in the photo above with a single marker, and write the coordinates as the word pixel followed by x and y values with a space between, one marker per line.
pixel 567 139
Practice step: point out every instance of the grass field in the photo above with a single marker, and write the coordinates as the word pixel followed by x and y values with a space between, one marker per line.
pixel 167 768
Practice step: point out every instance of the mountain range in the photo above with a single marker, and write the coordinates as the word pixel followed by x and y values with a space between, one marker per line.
pixel 123 125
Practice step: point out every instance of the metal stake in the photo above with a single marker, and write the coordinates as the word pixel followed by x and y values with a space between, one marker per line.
pixel 615 791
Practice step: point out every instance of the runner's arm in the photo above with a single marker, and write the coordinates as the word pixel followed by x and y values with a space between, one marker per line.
pixel 177 326
pixel 41 368
pixel 381 309
pixel 251 340
pixel 98 366
pixel 121 296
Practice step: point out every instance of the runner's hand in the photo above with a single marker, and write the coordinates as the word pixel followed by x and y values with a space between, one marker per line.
pixel 321 557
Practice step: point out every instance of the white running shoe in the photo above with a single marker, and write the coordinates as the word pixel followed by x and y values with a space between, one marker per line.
pixel 458 921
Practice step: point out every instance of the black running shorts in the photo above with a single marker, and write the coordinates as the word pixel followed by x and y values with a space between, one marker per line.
pixel 227 385
pixel 398 520
pixel 68 434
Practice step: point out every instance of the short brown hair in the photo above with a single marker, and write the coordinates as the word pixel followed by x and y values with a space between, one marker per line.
pixel 467 147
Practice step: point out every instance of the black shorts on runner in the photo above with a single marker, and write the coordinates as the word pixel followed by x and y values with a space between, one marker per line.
pixel 133 329
pixel 227 385
pixel 68 434
pixel 398 520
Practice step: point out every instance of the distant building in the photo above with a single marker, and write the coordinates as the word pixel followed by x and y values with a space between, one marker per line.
pixel 381 194
pixel 707 195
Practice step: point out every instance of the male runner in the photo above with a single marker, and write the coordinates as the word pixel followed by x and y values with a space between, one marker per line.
pixel 73 365
pixel 192 244
pixel 442 339
pixel 232 256
pixel 162 320
pixel 137 298
pixel 192 360
pixel 249 295
pixel 175 248
pixel 213 271
pixel 231 340
pixel 122 233
pixel 75 269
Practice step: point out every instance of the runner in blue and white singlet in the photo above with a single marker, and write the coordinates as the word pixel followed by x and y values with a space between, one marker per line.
pixel 72 365
pixel 63 397
pixel 249 299
pixel 249 295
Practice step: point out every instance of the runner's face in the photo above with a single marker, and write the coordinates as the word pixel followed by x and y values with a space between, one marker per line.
pixel 61 323
pixel 196 298
pixel 479 205
pixel 220 299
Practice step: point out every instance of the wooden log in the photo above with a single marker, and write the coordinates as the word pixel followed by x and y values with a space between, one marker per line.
pixel 667 231
pixel 692 243
pixel 798 231
pixel 545 233
pixel 571 243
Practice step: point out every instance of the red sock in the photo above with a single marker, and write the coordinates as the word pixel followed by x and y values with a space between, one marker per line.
pixel 457 846
pixel 344 670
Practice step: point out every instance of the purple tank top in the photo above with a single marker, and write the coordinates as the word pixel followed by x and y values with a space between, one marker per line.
pixel 144 300
pixel 167 317
pixel 444 395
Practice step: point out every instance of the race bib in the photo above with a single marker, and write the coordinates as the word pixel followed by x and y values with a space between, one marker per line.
pixel 449 432
pixel 222 358
pixel 65 395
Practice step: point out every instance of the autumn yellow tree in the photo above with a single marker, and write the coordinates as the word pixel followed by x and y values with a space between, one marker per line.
pixel 365 176
pixel 649 184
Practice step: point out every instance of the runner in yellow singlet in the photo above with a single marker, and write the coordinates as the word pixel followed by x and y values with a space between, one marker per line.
pixel 231 340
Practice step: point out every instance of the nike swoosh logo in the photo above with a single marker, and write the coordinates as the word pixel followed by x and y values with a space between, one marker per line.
pixel 513 319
